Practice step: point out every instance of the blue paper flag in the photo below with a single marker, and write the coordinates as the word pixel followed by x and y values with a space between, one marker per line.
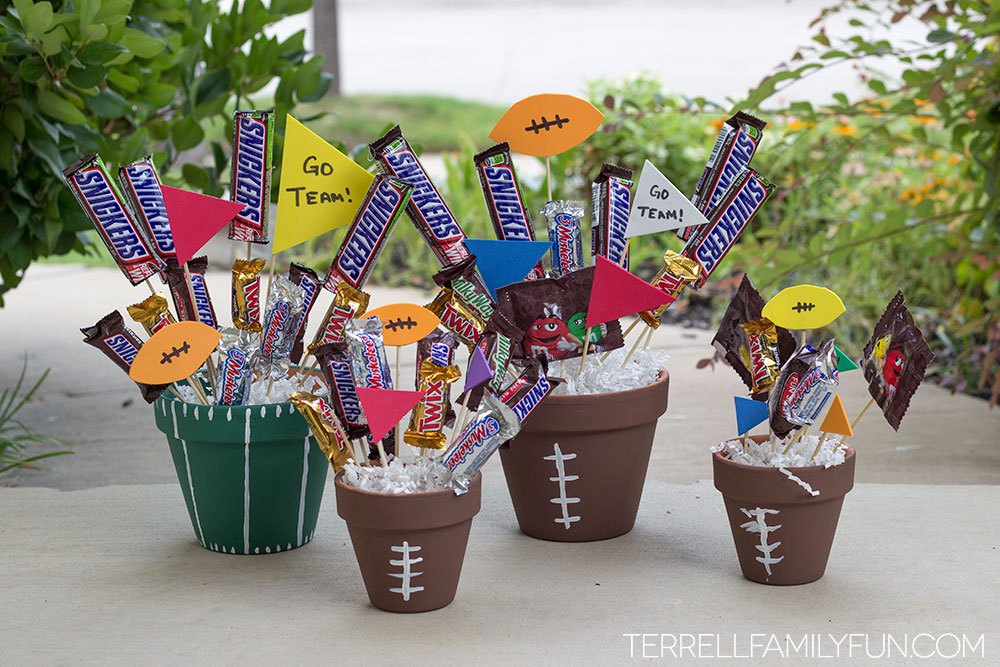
pixel 749 413
pixel 478 372
pixel 501 263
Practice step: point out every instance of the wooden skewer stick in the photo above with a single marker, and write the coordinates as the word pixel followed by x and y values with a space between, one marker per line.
pixel 195 385
pixel 460 418
pixel 382 455
pixel 774 442
pixel 861 414
pixel 249 251
pixel 819 445
pixel 548 178
pixel 635 346
pixel 197 317
pixel 399 424
pixel 798 436
pixel 586 346
pixel 635 322
pixel 152 290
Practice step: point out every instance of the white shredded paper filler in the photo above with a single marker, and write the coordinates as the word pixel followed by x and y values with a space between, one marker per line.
pixel 405 474
pixel 800 455
pixel 604 377
pixel 280 390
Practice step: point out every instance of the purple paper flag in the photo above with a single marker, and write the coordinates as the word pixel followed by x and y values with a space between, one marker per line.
pixel 479 372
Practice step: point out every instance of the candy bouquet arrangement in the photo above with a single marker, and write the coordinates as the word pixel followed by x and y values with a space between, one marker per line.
pixel 784 490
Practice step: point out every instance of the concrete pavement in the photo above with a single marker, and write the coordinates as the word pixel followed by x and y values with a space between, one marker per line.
pixel 96 410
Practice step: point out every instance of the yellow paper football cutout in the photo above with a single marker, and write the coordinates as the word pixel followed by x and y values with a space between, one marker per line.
pixel 174 352
pixel 404 323
pixel 804 307
pixel 547 124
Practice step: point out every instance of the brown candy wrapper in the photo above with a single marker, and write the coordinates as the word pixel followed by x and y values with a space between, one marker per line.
pixel 311 286
pixel 326 428
pixel 246 294
pixel 429 418
pixel 120 345
pixel 202 308
pixel 732 340
pixel 895 360
pixel 462 280
pixel 677 273
pixel 553 313
pixel 153 313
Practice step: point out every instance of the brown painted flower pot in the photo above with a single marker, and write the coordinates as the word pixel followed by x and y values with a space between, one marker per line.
pixel 783 534
pixel 577 468
pixel 410 547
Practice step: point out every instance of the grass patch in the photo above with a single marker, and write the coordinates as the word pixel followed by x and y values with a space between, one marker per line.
pixel 433 123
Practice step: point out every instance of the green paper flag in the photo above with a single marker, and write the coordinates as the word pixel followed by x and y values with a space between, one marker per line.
pixel 844 362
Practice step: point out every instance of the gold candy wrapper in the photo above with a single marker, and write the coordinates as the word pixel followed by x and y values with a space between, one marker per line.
pixel 246 294
pixel 761 354
pixel 456 317
pixel 326 428
pixel 153 313
pixel 348 303
pixel 427 423
pixel 677 273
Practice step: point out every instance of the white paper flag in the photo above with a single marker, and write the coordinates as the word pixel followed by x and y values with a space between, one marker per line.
pixel 658 206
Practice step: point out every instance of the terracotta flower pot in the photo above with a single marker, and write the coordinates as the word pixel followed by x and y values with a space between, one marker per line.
pixel 410 547
pixel 577 468
pixel 251 476
pixel 783 534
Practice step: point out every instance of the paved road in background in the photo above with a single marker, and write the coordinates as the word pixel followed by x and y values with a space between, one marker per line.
pixel 90 404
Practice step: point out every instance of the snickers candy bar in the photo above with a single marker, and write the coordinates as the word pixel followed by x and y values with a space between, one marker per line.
pixel 89 181
pixel 120 345
pixel 144 198
pixel 253 138
pixel 310 283
pixel 612 199
pixel 527 391
pixel 202 309
pixel 504 202
pixel 335 364
pixel 366 237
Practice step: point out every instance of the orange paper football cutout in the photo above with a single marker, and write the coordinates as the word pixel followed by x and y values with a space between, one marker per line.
pixel 404 323
pixel 174 352
pixel 547 124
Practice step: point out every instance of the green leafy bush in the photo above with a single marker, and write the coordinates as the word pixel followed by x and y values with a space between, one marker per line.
pixel 15 437
pixel 120 77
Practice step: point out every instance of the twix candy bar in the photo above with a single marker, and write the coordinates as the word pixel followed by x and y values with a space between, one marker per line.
pixel 246 294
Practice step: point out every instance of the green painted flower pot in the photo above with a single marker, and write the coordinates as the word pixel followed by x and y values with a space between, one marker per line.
pixel 251 476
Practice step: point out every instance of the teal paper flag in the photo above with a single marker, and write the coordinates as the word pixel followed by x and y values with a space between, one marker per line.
pixel 749 413
pixel 844 362
pixel 501 263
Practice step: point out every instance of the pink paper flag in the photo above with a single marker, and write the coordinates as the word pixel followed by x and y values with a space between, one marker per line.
pixel 385 407
pixel 617 293
pixel 195 218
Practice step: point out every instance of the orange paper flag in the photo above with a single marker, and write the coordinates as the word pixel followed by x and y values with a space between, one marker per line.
pixel 836 420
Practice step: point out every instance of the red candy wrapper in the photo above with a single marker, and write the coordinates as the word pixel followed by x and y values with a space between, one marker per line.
pixel 895 360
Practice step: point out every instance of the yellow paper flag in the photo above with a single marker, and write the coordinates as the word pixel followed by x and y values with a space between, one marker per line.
pixel 321 188
pixel 836 419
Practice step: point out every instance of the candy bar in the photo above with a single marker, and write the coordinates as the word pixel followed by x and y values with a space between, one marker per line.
pixel 504 202
pixel 456 317
pixel 95 190
pixel 745 352
pixel 202 310
pixel 310 283
pixel 803 388
pixel 426 208
pixel 734 148
pixel 153 313
pixel 253 138
pixel 329 433
pixel 335 364
pixel 527 391
pixel 367 235
pixel 348 303
pixel 368 358
pixel 461 279
pixel 727 221
pixel 677 273
pixel 235 369
pixel 143 194
pixel 246 294
pixel 492 426
pixel 426 428
pixel 564 220
pixel 895 360
pixel 612 198
pixel 437 346
pixel 284 307
pixel 119 344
